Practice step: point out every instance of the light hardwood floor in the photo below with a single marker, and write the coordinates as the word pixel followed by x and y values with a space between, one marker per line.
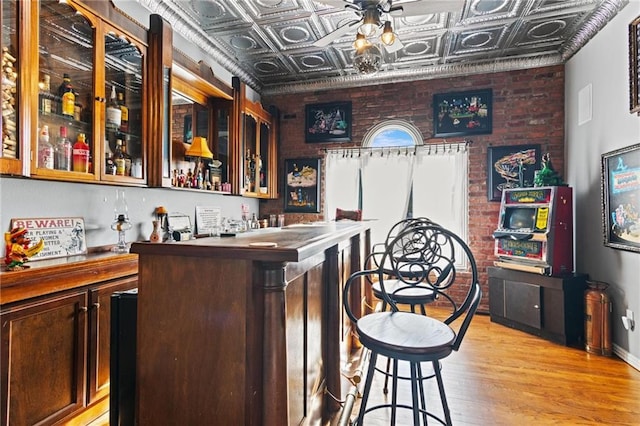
pixel 507 377
pixel 503 376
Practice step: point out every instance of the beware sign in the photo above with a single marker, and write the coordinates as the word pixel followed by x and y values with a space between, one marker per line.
pixel 63 236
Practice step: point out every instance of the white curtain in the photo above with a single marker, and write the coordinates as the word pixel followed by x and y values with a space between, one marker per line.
pixel 386 185
pixel 342 182
pixel 438 176
pixel 440 187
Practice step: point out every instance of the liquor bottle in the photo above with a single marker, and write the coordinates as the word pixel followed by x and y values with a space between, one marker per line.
pixel 109 165
pixel 77 107
pixel 118 159
pixel 128 160
pixel 114 113
pixel 81 155
pixel 67 97
pixel 45 149
pixel 45 96
pixel 124 118
pixel 64 150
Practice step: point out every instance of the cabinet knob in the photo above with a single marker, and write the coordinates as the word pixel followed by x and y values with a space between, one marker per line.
pixel 96 305
pixel 536 306
pixel 83 309
pixel 99 99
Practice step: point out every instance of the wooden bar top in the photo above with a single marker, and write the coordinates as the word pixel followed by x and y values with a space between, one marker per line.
pixel 292 243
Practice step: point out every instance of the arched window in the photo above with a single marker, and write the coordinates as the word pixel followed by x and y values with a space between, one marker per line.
pixel 392 133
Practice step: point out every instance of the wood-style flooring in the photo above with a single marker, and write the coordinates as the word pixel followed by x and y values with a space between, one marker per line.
pixel 507 377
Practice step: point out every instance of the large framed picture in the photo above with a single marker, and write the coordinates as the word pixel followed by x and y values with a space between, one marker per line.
pixel 634 66
pixel 511 167
pixel 328 122
pixel 621 198
pixel 463 113
pixel 302 185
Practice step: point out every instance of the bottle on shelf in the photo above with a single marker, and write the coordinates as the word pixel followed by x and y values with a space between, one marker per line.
pixel 119 160
pixel 128 160
pixel 81 154
pixel 67 97
pixel 64 150
pixel 45 95
pixel 77 107
pixel 124 116
pixel 45 149
pixel 109 165
pixel 114 113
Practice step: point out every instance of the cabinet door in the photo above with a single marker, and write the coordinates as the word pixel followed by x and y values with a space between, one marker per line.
pixel 123 107
pixel 66 49
pixel 522 303
pixel 99 335
pixel 43 359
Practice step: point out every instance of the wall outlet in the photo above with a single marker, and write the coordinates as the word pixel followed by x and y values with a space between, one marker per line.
pixel 627 320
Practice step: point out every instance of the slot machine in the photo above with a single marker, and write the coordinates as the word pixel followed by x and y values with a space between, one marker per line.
pixel 535 230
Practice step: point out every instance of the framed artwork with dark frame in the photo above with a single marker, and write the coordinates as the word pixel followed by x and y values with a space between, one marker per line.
pixel 621 198
pixel 187 136
pixel 328 122
pixel 302 185
pixel 511 167
pixel 463 113
pixel 634 66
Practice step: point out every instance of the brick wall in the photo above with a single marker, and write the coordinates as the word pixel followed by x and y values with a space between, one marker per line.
pixel 528 108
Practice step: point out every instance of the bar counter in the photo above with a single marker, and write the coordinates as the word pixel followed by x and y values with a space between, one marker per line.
pixel 245 330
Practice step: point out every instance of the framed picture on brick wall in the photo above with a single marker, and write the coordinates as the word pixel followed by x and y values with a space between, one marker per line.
pixel 302 185
pixel 463 113
pixel 511 167
pixel 328 122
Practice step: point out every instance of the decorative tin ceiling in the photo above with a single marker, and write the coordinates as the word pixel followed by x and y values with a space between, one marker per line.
pixel 269 44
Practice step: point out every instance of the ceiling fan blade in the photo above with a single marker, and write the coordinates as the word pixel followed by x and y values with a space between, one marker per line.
pixel 426 7
pixel 338 4
pixel 336 34
pixel 395 46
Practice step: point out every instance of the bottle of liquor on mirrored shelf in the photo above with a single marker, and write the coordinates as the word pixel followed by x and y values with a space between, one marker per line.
pixel 64 150
pixel 67 97
pixel 119 159
pixel 124 115
pixel 114 113
pixel 81 154
pixel 45 149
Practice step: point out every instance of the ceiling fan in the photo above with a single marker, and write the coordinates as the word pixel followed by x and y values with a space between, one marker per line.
pixel 370 19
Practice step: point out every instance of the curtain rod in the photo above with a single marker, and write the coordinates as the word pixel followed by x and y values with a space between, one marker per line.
pixel 436 148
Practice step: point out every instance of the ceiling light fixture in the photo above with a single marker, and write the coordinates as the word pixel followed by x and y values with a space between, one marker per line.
pixel 361 42
pixel 367 60
pixel 388 36
pixel 370 22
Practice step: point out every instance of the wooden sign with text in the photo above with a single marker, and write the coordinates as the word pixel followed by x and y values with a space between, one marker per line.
pixel 63 236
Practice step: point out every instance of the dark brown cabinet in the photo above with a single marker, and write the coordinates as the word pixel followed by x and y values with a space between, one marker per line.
pixel 55 340
pixel 549 307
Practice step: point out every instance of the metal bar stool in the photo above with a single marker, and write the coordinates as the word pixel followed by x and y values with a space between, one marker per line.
pixel 407 336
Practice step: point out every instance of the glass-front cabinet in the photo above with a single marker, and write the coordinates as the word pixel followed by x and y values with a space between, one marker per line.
pixel 258 138
pixel 90 98
pixel 71 90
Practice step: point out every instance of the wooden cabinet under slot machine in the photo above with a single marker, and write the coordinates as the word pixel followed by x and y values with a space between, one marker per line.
pixel 535 230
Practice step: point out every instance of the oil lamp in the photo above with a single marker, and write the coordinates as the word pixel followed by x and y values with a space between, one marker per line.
pixel 121 222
